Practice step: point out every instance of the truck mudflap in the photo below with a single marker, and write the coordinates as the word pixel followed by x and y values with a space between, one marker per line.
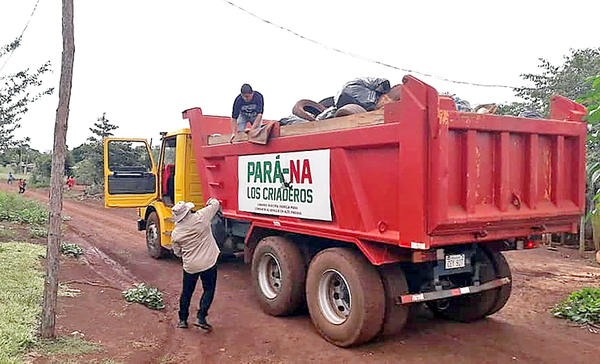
pixel 437 295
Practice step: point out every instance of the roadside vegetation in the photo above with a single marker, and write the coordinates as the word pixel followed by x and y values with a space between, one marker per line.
pixel 72 250
pixel 581 307
pixel 15 208
pixel 22 285
pixel 148 296
pixel 21 288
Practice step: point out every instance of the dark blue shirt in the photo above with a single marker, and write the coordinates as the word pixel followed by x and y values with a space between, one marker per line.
pixel 249 109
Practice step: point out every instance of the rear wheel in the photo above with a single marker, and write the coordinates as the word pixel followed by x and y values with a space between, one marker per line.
pixel 395 285
pixel 345 295
pixel 278 275
pixel 502 270
pixel 470 307
pixel 153 234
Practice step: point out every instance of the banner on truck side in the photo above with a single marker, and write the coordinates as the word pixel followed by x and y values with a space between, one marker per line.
pixel 286 184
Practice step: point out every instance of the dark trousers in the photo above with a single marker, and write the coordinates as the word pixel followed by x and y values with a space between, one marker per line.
pixel 209 283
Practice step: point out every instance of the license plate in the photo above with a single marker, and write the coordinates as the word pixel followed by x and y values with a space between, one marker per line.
pixel 455 261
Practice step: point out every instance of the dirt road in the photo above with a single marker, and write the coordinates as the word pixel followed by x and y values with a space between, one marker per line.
pixel 524 331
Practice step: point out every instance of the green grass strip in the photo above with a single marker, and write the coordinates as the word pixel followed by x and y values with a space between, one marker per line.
pixel 15 208
pixel 21 289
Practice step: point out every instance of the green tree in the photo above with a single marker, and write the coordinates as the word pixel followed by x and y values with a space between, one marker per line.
pixel 103 129
pixel 17 92
pixel 88 158
pixel 80 153
pixel 567 79
pixel 592 101
pixel 42 170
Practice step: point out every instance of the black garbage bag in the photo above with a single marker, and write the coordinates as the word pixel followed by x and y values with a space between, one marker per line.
pixel 363 91
pixel 292 119
pixel 462 104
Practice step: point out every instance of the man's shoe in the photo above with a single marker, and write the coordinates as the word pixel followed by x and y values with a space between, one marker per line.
pixel 183 324
pixel 203 324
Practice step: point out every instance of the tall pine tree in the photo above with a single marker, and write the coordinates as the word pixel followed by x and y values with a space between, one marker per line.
pixel 103 129
pixel 92 166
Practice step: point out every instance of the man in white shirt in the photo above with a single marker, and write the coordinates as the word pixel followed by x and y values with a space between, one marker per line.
pixel 193 241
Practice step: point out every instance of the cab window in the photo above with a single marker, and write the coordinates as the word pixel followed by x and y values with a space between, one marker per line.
pixel 131 167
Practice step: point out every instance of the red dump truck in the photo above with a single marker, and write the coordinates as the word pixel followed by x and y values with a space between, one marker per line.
pixel 363 216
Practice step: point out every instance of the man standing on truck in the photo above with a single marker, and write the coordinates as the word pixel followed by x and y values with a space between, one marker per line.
pixel 193 241
pixel 247 108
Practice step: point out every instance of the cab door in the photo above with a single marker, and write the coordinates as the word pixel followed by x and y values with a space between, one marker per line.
pixel 130 176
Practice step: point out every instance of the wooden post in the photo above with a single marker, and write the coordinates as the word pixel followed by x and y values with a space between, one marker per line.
pixel 58 169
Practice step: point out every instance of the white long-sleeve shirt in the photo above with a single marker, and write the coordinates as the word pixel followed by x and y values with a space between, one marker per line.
pixel 193 241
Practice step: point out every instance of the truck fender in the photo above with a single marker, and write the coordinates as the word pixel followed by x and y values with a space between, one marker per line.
pixel 255 234
pixel 163 213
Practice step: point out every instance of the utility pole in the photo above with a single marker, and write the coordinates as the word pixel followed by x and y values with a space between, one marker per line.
pixel 58 169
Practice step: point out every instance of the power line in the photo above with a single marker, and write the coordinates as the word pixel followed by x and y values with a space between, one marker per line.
pixel 21 36
pixel 363 58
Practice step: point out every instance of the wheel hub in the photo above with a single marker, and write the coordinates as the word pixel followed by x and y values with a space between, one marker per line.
pixel 334 297
pixel 152 233
pixel 269 275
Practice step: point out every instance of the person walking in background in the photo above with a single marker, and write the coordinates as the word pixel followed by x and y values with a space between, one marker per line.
pixel 193 241
pixel 22 184
pixel 11 178
pixel 70 182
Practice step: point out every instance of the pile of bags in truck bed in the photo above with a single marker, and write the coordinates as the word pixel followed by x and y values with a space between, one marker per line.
pixel 357 96
pixel 367 94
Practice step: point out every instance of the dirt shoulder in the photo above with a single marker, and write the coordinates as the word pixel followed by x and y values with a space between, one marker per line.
pixel 115 257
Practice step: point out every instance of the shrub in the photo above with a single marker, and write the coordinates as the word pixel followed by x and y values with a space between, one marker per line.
pixel 151 297
pixel 72 250
pixel 15 208
pixel 582 307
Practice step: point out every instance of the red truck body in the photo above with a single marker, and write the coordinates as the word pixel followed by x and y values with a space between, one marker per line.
pixel 426 176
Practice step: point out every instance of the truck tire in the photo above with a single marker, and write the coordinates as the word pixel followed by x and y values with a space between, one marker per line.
pixel 307 109
pixel 470 307
pixel 394 285
pixel 502 269
pixel 349 109
pixel 345 295
pixel 153 234
pixel 278 275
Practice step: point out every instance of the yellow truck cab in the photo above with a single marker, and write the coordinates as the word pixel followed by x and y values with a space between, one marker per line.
pixel 133 179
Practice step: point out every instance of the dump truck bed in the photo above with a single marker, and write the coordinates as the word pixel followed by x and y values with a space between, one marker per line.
pixel 418 174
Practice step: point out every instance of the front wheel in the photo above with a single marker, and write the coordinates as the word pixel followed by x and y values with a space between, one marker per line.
pixel 345 295
pixel 155 249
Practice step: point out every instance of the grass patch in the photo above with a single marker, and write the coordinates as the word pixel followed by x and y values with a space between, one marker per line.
pixel 66 345
pixel 15 208
pixel 7 232
pixel 4 174
pixel 167 359
pixel 21 289
pixel 582 307
pixel 72 250
pixel 38 232
pixel 65 291
pixel 148 296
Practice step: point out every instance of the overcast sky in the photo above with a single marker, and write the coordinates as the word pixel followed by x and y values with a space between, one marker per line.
pixel 144 62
